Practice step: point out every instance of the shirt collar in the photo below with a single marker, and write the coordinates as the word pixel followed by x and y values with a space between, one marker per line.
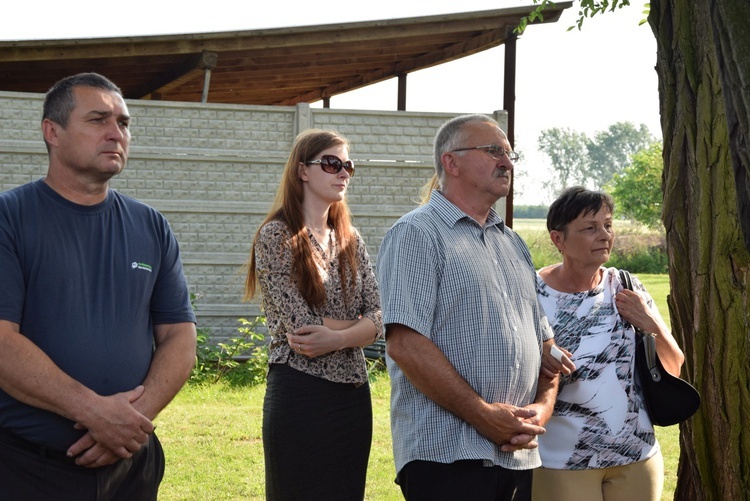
pixel 451 214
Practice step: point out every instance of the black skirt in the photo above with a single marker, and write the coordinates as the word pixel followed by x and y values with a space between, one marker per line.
pixel 316 437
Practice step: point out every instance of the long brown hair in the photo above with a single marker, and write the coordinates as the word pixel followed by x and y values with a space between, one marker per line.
pixel 287 207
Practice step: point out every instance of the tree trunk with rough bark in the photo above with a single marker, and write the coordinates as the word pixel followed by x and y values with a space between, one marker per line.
pixel 703 64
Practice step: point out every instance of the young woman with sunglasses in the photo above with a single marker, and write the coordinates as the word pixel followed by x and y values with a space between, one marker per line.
pixel 321 303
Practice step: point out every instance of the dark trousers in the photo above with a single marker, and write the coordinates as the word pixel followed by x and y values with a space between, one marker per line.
pixel 30 472
pixel 316 437
pixel 462 481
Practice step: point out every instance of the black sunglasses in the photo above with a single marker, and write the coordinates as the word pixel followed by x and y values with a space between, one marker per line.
pixel 333 164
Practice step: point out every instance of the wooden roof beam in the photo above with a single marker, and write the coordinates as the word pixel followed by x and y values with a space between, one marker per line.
pixel 269 38
pixel 193 68
pixel 450 53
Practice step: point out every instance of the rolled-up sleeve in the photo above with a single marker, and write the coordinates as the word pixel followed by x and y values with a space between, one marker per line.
pixel 409 278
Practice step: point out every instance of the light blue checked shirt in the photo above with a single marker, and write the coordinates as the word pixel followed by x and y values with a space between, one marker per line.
pixel 471 290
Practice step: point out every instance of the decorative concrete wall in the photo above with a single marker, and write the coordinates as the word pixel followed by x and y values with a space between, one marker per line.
pixel 213 171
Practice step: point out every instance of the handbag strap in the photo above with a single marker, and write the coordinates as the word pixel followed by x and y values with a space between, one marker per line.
pixel 627 283
pixel 649 343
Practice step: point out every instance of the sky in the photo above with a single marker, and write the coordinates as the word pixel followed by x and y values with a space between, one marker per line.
pixel 584 80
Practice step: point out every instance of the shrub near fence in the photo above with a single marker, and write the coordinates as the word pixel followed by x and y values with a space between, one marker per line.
pixel 240 361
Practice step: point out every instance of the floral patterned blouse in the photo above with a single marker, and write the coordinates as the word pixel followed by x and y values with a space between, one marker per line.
pixel 286 309
pixel 600 420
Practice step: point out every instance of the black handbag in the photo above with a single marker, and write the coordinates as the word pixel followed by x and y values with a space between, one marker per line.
pixel 669 399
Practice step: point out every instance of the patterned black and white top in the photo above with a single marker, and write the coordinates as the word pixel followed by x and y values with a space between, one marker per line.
pixel 599 419
pixel 471 290
pixel 286 309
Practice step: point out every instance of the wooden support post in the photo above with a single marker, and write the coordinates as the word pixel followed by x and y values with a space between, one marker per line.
pixel 206 83
pixel 401 104
pixel 509 103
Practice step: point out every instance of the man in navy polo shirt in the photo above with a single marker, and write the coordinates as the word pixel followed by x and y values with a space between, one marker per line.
pixel 97 333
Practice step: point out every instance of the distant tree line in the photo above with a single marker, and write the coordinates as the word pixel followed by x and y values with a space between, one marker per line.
pixel 623 160
pixel 530 211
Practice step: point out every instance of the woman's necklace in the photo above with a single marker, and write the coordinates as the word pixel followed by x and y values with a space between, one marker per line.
pixel 318 232
pixel 320 235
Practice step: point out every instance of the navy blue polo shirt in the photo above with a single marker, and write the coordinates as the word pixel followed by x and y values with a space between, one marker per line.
pixel 86 284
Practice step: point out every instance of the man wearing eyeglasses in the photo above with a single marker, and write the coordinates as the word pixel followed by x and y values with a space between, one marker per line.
pixel 464 331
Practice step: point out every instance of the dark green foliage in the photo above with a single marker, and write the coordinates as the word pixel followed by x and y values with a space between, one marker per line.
pixel 648 260
pixel 588 8
pixel 530 211
pixel 376 369
pixel 637 190
pixel 610 150
pixel 642 260
pixel 242 360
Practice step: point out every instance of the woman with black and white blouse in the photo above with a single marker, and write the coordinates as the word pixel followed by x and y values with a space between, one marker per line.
pixel 600 443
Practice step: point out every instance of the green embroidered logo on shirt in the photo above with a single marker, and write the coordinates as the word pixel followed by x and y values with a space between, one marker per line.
pixel 141 266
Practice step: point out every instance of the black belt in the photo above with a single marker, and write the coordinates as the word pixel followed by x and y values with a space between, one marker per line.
pixel 10 438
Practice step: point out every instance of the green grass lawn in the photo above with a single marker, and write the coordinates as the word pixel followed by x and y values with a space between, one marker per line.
pixel 212 439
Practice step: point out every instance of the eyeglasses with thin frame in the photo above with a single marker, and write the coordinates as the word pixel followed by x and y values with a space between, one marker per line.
pixel 333 164
pixel 493 150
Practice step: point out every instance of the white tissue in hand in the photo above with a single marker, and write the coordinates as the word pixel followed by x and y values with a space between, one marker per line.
pixel 556 353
